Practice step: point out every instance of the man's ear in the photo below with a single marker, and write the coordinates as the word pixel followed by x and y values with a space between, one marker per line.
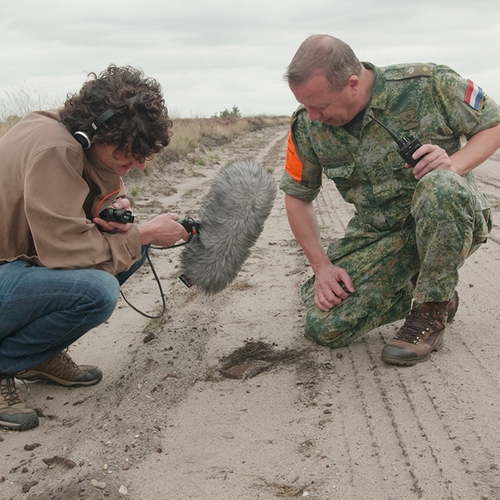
pixel 354 84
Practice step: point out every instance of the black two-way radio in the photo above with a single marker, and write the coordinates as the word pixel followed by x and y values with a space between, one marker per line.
pixel 406 145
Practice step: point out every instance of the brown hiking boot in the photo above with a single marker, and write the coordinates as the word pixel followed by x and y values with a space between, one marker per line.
pixel 62 370
pixel 421 333
pixel 14 414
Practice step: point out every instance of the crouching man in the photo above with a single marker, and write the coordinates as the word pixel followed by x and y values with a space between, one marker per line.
pixel 61 263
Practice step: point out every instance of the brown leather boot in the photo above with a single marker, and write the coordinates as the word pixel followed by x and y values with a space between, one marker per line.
pixel 62 370
pixel 421 333
pixel 14 414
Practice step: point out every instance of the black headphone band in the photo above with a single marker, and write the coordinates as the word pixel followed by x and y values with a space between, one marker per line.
pixel 84 137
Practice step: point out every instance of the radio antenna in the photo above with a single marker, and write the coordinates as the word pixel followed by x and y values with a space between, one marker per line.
pixel 396 139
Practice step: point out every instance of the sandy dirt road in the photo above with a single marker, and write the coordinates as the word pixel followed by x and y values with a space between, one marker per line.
pixel 167 423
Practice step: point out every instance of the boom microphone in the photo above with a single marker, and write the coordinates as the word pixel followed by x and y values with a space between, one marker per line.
pixel 238 204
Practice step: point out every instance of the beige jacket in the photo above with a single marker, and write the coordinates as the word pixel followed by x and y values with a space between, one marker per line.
pixel 49 191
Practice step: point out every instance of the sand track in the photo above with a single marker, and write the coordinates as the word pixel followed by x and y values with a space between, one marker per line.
pixel 166 424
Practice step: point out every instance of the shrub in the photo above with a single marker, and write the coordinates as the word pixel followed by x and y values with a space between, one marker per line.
pixel 234 113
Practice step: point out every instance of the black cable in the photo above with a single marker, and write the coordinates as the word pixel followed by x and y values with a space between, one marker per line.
pixel 159 286
pixel 192 227
pixel 168 248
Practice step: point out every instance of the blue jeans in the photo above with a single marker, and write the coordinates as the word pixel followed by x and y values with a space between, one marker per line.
pixel 43 311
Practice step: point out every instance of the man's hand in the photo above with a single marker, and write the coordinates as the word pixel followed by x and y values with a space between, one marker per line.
pixel 432 157
pixel 331 281
pixel 478 149
pixel 163 231
pixel 113 227
pixel 329 291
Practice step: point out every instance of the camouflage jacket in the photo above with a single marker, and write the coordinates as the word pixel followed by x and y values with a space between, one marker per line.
pixel 426 100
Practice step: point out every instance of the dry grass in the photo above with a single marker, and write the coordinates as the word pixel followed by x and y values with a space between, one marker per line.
pixel 7 124
pixel 190 133
pixel 20 100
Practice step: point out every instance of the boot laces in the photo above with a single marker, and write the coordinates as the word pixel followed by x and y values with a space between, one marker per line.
pixel 65 359
pixel 418 325
pixel 8 390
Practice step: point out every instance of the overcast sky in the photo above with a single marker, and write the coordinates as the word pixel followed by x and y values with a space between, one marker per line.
pixel 209 55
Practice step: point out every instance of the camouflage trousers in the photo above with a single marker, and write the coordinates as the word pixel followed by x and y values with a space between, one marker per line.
pixel 444 229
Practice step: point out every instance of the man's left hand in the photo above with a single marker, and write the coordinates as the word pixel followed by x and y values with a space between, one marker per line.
pixel 113 227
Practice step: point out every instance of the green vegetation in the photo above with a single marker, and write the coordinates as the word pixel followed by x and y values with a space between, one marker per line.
pixel 234 113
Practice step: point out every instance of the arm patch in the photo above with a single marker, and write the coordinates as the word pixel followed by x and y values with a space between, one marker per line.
pixel 474 95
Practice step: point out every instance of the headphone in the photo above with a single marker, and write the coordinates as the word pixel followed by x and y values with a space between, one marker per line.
pixel 84 137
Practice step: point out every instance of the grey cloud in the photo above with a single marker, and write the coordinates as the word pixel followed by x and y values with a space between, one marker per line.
pixel 211 55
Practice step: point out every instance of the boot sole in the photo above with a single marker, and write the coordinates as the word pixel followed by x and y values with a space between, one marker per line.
pixel 401 362
pixel 30 423
pixel 50 379
pixel 410 362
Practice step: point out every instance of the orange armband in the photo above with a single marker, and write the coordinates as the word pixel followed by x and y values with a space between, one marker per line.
pixel 293 165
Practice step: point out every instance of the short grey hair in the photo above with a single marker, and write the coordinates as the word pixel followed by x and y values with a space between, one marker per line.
pixel 324 54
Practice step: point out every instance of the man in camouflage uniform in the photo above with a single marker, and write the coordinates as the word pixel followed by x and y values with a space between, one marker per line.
pixel 413 227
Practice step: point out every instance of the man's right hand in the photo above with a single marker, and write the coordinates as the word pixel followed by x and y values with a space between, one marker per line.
pixel 163 230
pixel 329 291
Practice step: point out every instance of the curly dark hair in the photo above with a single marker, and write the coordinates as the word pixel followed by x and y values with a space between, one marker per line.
pixel 141 128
